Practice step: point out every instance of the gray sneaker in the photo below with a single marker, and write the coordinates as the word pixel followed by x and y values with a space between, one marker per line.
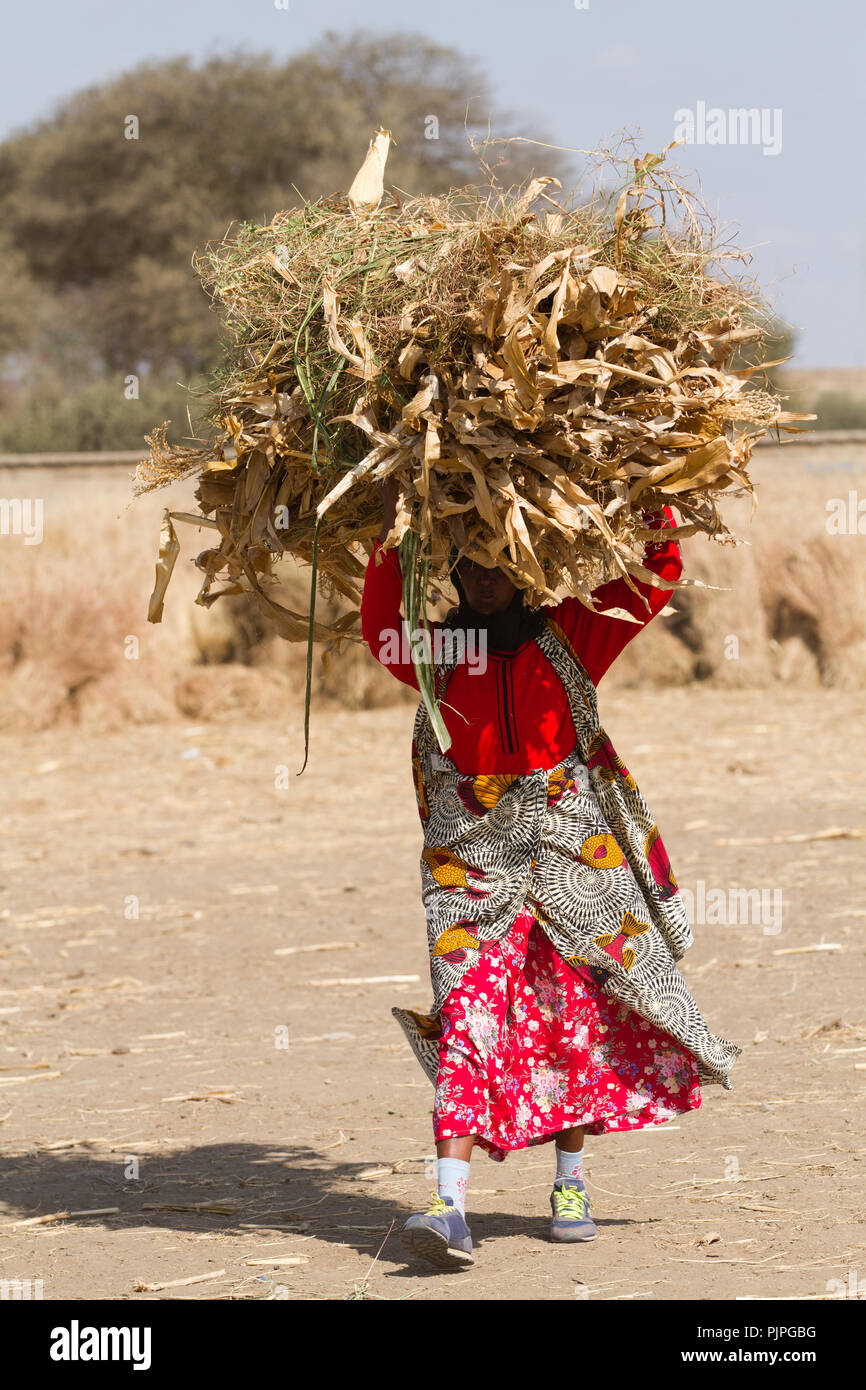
pixel 439 1235
pixel 569 1203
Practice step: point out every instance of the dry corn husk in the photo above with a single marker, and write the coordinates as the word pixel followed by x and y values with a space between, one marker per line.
pixel 536 381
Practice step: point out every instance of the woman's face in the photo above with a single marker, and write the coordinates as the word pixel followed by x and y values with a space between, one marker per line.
pixel 487 590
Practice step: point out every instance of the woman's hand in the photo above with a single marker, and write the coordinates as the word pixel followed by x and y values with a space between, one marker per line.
pixel 390 490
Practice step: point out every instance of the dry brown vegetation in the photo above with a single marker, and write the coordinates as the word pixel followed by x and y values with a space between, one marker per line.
pixel 532 381
pixel 794 598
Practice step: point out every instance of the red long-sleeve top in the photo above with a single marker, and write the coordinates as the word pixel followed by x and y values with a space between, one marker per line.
pixel 514 716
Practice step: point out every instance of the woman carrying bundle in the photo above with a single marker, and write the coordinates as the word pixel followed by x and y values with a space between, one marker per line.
pixel 553 915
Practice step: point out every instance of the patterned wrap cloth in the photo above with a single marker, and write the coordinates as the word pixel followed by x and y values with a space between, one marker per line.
pixel 578 846
pixel 531 1046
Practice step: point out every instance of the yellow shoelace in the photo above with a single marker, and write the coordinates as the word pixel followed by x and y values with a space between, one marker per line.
pixel 570 1202
pixel 439 1206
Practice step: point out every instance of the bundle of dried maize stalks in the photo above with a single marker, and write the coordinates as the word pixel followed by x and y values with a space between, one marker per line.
pixel 533 379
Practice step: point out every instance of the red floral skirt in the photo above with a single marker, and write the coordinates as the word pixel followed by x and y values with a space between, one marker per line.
pixel 531 1046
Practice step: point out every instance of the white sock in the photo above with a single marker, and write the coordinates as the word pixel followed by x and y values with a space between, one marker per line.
pixel 452 1175
pixel 569 1165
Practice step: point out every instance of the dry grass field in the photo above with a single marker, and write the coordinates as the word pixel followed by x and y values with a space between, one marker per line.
pixel 75 647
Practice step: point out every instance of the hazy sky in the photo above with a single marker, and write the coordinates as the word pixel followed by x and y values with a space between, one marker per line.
pixel 585 71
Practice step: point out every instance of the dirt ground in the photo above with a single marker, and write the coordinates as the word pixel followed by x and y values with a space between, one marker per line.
pixel 165 1051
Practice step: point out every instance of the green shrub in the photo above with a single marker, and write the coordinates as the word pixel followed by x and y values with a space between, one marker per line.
pixel 840 410
pixel 96 416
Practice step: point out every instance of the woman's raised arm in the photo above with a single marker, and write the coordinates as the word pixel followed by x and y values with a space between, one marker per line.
pixel 599 640
pixel 381 624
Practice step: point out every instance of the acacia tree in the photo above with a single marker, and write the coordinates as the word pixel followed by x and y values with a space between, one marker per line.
pixel 105 224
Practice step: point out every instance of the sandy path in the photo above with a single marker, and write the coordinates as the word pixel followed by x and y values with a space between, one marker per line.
pixel 317 1148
